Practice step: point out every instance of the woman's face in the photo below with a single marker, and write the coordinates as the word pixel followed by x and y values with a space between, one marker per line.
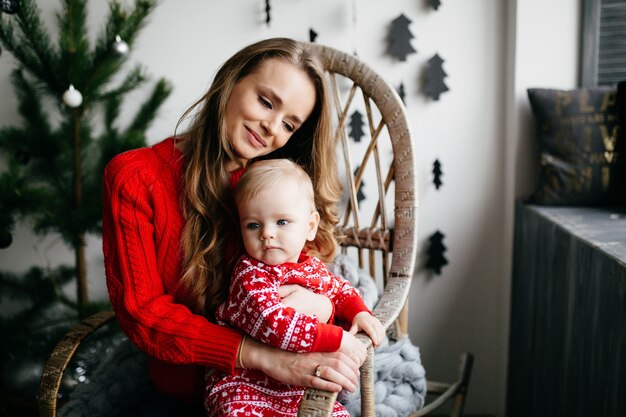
pixel 266 108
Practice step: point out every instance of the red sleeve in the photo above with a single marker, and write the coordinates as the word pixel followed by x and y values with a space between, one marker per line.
pixel 346 299
pixel 255 307
pixel 351 307
pixel 139 259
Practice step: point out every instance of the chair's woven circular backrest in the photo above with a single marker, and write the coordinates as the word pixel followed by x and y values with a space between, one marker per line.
pixel 374 146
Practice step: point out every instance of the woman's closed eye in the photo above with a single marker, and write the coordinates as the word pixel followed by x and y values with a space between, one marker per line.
pixel 265 102
pixel 289 127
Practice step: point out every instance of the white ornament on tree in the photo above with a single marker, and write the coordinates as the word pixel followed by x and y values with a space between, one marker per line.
pixel 72 97
pixel 120 47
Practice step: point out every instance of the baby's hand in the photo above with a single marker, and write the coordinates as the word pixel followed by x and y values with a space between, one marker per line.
pixel 370 325
pixel 351 346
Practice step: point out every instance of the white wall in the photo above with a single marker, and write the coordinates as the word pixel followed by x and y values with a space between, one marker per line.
pixel 542 51
pixel 493 51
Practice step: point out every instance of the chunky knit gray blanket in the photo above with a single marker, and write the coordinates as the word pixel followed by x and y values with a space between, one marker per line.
pixel 120 385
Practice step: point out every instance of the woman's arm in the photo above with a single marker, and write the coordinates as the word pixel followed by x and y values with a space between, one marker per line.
pixel 141 230
pixel 338 371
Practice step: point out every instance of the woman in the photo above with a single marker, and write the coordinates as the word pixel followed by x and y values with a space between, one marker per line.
pixel 169 222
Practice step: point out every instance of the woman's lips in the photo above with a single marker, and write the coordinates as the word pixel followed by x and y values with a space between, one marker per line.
pixel 255 140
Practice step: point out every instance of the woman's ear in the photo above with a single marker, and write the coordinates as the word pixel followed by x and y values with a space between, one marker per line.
pixel 314 221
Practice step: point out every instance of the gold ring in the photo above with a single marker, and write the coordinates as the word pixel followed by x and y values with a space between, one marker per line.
pixel 318 371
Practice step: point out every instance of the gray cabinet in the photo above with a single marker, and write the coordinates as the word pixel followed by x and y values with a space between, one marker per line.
pixel 567 347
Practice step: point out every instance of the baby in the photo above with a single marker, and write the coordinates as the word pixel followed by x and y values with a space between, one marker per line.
pixel 277 216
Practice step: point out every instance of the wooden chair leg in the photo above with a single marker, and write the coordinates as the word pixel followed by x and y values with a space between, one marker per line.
pixel 456 391
pixel 467 361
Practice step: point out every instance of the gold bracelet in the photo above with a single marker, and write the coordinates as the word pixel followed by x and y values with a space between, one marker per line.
pixel 240 352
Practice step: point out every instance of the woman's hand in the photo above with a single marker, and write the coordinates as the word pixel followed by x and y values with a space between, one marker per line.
pixel 336 370
pixel 305 301
pixel 370 325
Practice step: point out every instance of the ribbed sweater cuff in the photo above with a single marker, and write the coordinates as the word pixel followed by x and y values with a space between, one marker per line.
pixel 351 307
pixel 219 351
pixel 328 338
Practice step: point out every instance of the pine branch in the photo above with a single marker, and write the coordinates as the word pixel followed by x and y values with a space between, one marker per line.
pixel 111 111
pixel 20 196
pixel 74 45
pixel 29 106
pixel 105 61
pixel 147 112
pixel 133 79
pixel 31 45
pixel 136 20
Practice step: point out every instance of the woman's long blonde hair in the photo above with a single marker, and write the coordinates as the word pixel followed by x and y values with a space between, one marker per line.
pixel 207 199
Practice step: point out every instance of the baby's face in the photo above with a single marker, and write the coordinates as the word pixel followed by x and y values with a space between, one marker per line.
pixel 277 222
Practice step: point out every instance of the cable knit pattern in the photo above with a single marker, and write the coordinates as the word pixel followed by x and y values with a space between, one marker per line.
pixel 142 227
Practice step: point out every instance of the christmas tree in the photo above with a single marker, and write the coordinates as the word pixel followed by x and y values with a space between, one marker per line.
pixel 69 94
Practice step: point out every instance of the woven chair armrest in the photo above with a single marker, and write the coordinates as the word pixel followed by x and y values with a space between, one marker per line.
pixel 319 403
pixel 61 356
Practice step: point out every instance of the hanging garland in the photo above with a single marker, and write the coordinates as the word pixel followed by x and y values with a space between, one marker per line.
pixel 401 93
pixel 437 173
pixel 434 4
pixel 268 8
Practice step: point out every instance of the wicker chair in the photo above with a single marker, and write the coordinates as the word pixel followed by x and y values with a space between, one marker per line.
pixel 382 235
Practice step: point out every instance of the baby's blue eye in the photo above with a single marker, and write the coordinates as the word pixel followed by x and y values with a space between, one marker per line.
pixel 282 222
pixel 252 226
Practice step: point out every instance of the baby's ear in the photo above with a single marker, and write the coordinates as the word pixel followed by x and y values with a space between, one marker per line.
pixel 314 221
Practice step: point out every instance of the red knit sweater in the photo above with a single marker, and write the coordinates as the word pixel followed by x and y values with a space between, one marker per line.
pixel 141 232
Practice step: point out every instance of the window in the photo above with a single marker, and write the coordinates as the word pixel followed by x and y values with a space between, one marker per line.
pixel 603 44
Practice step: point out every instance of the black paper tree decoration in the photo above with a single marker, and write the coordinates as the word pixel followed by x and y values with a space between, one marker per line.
pixel 433 83
pixel 356 126
pixel 268 17
pixel 437 173
pixel 434 4
pixel 436 260
pixel 10 6
pixel 399 45
pixel 401 93
pixel 312 35
pixel 360 196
